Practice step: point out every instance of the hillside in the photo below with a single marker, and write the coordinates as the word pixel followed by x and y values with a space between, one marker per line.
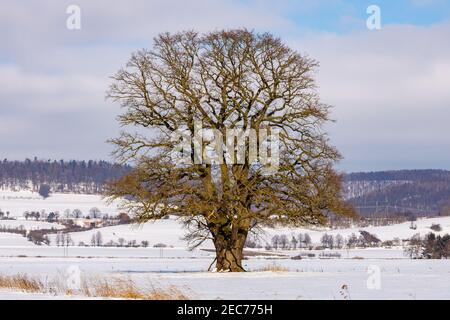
pixel 417 192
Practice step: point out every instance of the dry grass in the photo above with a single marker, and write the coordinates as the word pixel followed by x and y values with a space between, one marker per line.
pixel 273 268
pixel 127 289
pixel 21 282
pixel 95 287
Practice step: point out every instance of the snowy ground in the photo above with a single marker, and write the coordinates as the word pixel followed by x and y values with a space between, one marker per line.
pixel 306 279
pixel 397 276
pixel 17 202
pixel 10 240
pixel 29 224
pixel 168 232
pixel 377 273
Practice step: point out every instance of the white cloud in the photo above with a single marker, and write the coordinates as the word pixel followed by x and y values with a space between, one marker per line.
pixel 49 92
pixel 390 92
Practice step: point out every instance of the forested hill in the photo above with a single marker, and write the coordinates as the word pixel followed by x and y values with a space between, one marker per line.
pixel 400 175
pixel 62 176
pixel 421 192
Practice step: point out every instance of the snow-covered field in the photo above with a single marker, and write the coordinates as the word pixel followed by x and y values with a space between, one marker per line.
pixel 168 232
pixel 306 279
pixel 372 273
pixel 29 224
pixel 13 241
pixel 17 202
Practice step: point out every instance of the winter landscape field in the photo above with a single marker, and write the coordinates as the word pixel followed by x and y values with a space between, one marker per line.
pixel 220 150
pixel 357 273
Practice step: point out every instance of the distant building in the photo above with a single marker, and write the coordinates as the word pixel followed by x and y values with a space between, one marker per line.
pixel 89 223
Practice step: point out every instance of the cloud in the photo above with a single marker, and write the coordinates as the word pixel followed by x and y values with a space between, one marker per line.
pixel 405 66
pixel 390 92
pixel 389 87
pixel 27 91
pixel 53 80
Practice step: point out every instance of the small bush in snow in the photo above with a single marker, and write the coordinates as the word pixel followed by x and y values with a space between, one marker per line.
pixel 436 227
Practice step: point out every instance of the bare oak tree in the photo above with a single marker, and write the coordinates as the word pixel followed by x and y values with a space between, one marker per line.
pixel 227 80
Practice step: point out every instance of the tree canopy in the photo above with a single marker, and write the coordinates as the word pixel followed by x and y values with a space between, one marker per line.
pixel 226 80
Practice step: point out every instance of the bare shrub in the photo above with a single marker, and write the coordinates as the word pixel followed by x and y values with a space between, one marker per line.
pixel 436 227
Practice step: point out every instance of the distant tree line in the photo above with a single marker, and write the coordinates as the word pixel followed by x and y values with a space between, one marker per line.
pixel 69 215
pixel 327 241
pixel 430 247
pixel 44 176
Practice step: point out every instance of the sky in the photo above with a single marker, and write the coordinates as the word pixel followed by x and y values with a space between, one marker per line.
pixel 390 88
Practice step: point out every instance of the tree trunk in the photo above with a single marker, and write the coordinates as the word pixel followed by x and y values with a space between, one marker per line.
pixel 228 258
pixel 229 250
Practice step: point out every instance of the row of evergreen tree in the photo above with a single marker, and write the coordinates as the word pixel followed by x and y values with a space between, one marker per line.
pixel 62 176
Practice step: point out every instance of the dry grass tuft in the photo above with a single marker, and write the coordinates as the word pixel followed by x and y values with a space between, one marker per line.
pixel 21 282
pixel 95 287
pixel 127 289
pixel 273 268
